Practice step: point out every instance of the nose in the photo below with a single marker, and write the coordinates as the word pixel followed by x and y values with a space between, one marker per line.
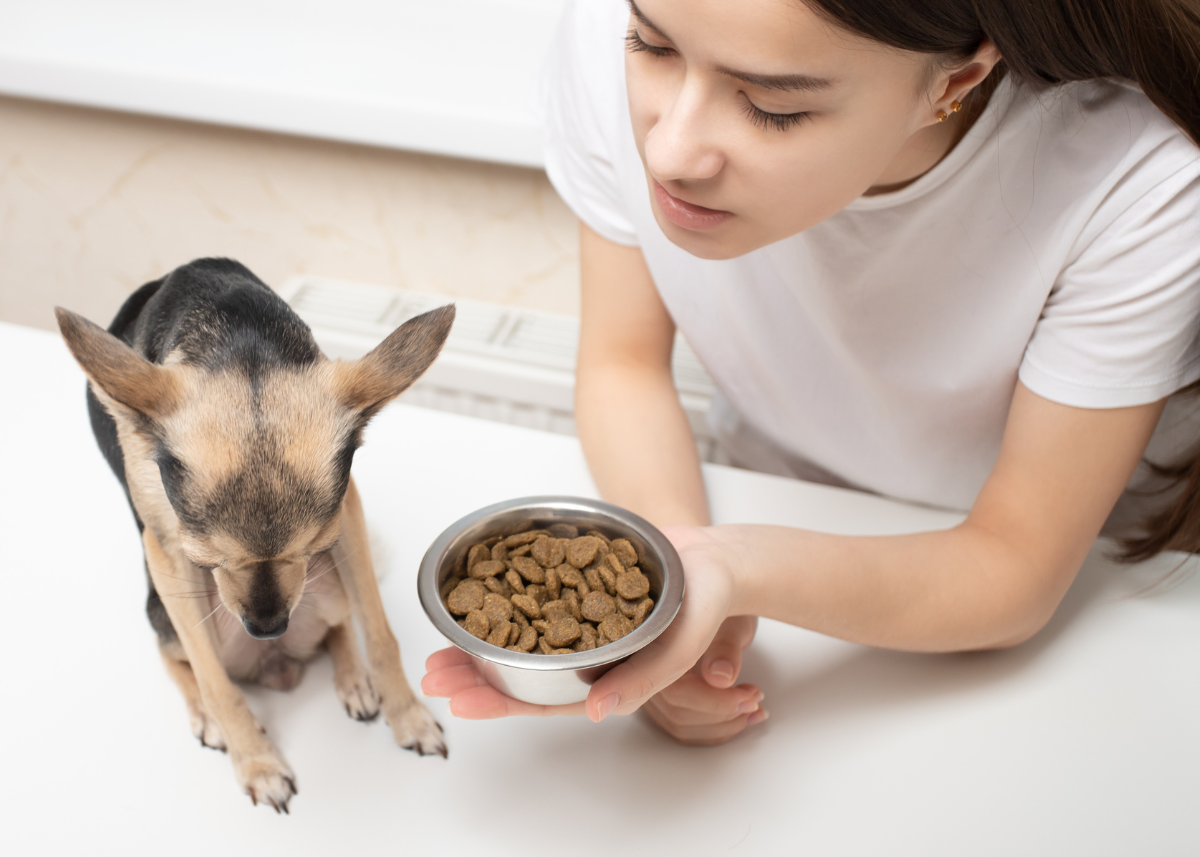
pixel 266 629
pixel 679 146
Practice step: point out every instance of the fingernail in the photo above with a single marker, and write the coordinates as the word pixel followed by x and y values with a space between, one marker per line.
pixel 757 717
pixel 721 669
pixel 605 706
pixel 748 706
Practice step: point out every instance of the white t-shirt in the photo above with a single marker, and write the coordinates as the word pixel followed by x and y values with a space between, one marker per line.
pixel 1058 243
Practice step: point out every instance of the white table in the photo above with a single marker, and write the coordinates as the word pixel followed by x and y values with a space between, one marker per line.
pixel 1084 741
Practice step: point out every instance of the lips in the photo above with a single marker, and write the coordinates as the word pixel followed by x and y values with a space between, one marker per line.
pixel 686 214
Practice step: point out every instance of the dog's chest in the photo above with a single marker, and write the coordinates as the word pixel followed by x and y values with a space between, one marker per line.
pixel 324 605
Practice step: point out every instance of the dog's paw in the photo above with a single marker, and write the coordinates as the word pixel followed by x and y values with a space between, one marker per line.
pixel 357 696
pixel 206 728
pixel 415 729
pixel 267 779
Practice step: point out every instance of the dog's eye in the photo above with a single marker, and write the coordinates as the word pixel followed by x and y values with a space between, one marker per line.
pixel 207 568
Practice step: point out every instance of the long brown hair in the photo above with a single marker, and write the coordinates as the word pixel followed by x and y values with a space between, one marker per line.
pixel 1154 43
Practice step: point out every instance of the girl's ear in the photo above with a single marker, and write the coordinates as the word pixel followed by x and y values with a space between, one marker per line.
pixel 116 369
pixel 371 382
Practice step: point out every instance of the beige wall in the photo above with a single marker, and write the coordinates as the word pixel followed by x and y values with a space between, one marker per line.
pixel 93 204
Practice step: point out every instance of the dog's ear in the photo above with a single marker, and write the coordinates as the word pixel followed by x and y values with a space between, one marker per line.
pixel 127 377
pixel 371 382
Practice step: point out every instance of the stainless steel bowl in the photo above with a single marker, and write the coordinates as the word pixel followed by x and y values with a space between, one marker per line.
pixel 551 679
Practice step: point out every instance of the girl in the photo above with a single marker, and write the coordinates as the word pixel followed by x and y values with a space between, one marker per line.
pixel 943 250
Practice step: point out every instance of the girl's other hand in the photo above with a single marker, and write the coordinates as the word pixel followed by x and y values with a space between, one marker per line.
pixel 706 706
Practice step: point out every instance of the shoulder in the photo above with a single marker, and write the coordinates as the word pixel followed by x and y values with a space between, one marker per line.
pixel 585 115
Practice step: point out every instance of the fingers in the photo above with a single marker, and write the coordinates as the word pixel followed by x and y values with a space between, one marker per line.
pixel 692 701
pixel 722 662
pixel 452 673
pixel 702 735
pixel 450 657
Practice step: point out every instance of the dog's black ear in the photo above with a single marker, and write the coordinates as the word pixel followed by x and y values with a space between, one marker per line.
pixel 371 382
pixel 127 377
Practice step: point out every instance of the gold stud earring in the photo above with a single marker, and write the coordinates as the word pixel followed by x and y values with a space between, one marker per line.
pixel 943 116
pixel 955 106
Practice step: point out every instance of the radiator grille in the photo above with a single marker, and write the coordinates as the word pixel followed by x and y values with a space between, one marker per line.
pixel 501 363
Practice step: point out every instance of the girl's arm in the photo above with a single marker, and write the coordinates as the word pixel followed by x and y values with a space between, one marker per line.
pixel 633 429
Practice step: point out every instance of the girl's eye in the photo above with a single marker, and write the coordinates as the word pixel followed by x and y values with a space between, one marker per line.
pixel 771 121
pixel 634 43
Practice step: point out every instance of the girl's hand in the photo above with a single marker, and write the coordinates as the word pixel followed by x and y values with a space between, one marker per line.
pixel 704 706
pixel 701 706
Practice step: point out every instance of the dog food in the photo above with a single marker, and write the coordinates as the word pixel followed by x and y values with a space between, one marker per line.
pixel 550 591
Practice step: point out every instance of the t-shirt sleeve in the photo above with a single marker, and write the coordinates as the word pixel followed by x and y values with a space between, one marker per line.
pixel 580 97
pixel 1122 324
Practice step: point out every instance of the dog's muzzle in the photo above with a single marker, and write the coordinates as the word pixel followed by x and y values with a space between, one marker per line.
pixel 265 631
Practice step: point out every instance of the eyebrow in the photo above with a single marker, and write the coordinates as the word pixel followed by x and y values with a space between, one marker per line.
pixel 780 82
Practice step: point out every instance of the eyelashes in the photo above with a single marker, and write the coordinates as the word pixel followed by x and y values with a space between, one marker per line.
pixel 634 44
pixel 772 121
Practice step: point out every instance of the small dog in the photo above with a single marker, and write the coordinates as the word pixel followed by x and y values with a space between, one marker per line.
pixel 233 435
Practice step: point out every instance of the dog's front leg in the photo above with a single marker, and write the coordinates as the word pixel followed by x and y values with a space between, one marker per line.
pixel 412 725
pixel 258 766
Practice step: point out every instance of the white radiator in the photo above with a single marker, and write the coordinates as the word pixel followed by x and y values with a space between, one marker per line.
pixel 501 363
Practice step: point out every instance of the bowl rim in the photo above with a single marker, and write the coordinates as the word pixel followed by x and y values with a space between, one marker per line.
pixel 670 599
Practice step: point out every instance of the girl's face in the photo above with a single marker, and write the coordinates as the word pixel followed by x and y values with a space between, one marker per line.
pixel 757 120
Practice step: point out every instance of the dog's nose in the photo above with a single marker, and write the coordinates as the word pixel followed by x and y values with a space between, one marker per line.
pixel 265 630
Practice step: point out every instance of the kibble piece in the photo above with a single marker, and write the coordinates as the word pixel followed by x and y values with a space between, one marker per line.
pixel 561 651
pixel 518 539
pixel 569 575
pixel 643 610
pixel 497 608
pixel 545 647
pixel 613 562
pixel 514 633
pixel 527 640
pixel 514 580
pixel 529 569
pixel 467 596
pixel 563 632
pixel 553 584
pixel 499 552
pixel 571 599
pixel 522 550
pixel 633 585
pixel 548 551
pixel 486 568
pixel 615 626
pixel 624 551
pixel 520 619
pixel 538 593
pixel 582 551
pixel 585 644
pixel 527 605
pixel 609 577
pixel 593 578
pixel 599 535
pixel 493 541
pixel 498 586
pixel 596 606
pixel 476 623
pixel 588 635
pixel 500 633
pixel 477 553
pixel 626 606
pixel 564 531
pixel 556 609
pixel 540 625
